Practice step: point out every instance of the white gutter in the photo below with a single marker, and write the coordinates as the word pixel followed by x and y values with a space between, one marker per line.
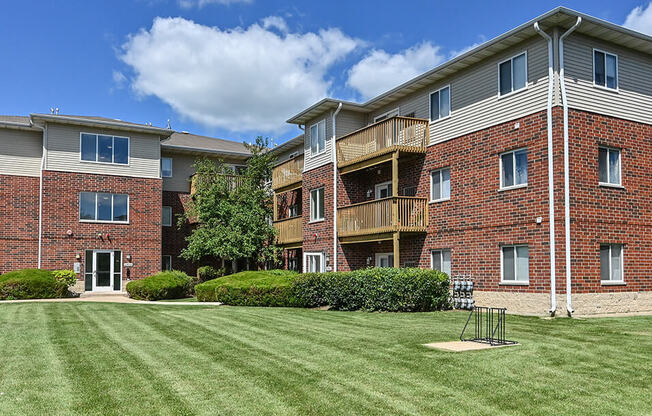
pixel 334 155
pixel 564 100
pixel 551 181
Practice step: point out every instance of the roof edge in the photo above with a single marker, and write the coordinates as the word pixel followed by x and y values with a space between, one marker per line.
pixel 103 123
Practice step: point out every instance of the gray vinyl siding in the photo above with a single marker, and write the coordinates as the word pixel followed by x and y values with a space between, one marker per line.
pixel 20 152
pixel 349 121
pixel 475 103
pixel 63 152
pixel 633 101
pixel 284 156
pixel 310 161
pixel 182 169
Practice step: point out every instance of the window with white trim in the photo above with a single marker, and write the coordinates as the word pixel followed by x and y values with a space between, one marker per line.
pixel 384 260
pixel 609 166
pixel 104 148
pixel 512 74
pixel 611 263
pixel 441 260
pixel 166 262
pixel 440 103
pixel 605 69
pixel 318 138
pixel 102 207
pixel 440 185
pixel 317 204
pixel 385 116
pixel 166 167
pixel 313 262
pixel 515 264
pixel 167 216
pixel 513 169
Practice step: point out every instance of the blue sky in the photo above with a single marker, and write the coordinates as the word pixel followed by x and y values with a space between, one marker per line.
pixel 239 68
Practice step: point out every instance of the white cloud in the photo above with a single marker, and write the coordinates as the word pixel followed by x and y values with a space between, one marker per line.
pixel 275 22
pixel 188 4
pixel 454 53
pixel 119 79
pixel 640 19
pixel 380 71
pixel 242 79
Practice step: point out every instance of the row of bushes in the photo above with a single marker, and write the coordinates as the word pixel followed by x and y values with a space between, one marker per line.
pixel 164 285
pixel 373 289
pixel 36 284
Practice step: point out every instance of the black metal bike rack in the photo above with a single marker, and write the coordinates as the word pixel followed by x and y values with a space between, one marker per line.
pixel 489 326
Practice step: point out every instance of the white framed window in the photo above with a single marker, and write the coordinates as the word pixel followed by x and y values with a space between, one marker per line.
pixel 317 204
pixel 440 103
pixel 166 262
pixel 410 191
pixel 512 74
pixel 440 185
pixel 167 216
pixel 313 262
pixel 166 167
pixel 609 166
pixel 293 211
pixel 515 264
pixel 611 263
pixel 383 190
pixel 605 69
pixel 318 138
pixel 384 260
pixel 102 148
pixel 102 207
pixel 513 169
pixel 385 116
pixel 441 260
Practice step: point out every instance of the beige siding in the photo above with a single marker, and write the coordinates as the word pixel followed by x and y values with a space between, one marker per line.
pixel 182 169
pixel 284 156
pixel 349 121
pixel 310 161
pixel 20 152
pixel 475 103
pixel 633 101
pixel 63 152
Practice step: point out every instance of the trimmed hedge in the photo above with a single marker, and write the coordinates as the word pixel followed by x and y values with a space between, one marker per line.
pixel 164 285
pixel 374 289
pixel 206 273
pixel 32 284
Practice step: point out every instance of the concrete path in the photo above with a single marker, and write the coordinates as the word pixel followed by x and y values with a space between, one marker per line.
pixel 113 298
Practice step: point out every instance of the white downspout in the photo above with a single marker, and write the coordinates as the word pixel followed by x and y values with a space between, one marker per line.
pixel 334 156
pixel 40 192
pixel 551 181
pixel 564 100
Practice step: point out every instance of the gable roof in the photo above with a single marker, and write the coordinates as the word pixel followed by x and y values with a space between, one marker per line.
pixel 193 143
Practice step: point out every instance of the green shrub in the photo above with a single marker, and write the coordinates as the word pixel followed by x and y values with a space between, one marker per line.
pixel 65 277
pixel 250 288
pixel 206 273
pixel 164 285
pixel 31 284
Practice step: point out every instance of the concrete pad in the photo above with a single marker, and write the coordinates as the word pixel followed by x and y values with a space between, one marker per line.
pixel 461 346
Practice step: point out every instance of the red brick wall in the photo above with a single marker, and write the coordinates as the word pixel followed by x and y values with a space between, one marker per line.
pixel 318 236
pixel 141 238
pixel 610 215
pixel 19 200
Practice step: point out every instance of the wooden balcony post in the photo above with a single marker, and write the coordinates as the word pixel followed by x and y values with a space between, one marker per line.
pixel 395 174
pixel 397 251
pixel 275 207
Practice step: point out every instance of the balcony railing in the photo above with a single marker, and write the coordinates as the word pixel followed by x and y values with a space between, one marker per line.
pixel 397 133
pixel 233 181
pixel 287 173
pixel 407 214
pixel 290 230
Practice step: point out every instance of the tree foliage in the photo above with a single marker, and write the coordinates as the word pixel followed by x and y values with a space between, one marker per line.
pixel 232 213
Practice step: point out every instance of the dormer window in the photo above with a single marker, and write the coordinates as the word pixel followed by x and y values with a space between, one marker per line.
pixel 103 148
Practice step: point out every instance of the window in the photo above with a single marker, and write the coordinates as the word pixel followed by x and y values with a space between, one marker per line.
pixel 385 116
pixel 512 74
pixel 609 165
pixel 410 191
pixel 166 167
pixel 318 138
pixel 611 263
pixel 441 260
pixel 166 262
pixel 383 190
pixel 104 149
pixel 314 262
pixel 513 169
pixel 293 211
pixel 167 216
pixel 605 69
pixel 440 185
pixel 440 104
pixel 103 207
pixel 317 204
pixel 384 260
pixel 515 263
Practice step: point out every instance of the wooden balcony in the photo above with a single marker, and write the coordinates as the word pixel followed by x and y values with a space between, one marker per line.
pixel 290 231
pixel 233 181
pixel 381 218
pixel 375 143
pixel 287 175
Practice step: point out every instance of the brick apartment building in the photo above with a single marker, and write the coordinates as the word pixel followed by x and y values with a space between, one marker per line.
pixel 97 195
pixel 524 163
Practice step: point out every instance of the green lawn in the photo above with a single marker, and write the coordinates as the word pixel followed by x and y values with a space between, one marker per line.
pixel 101 358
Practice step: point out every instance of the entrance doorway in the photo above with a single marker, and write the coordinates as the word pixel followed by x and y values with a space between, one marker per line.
pixel 103 270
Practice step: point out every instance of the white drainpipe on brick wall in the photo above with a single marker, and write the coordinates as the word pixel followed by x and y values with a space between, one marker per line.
pixel 551 181
pixel 40 191
pixel 334 155
pixel 564 99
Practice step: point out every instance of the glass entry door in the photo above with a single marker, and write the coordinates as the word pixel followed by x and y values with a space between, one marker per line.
pixel 102 270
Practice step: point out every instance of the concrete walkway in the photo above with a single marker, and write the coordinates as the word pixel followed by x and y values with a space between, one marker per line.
pixel 113 298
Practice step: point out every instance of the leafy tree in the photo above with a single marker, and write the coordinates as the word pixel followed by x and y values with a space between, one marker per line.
pixel 232 213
